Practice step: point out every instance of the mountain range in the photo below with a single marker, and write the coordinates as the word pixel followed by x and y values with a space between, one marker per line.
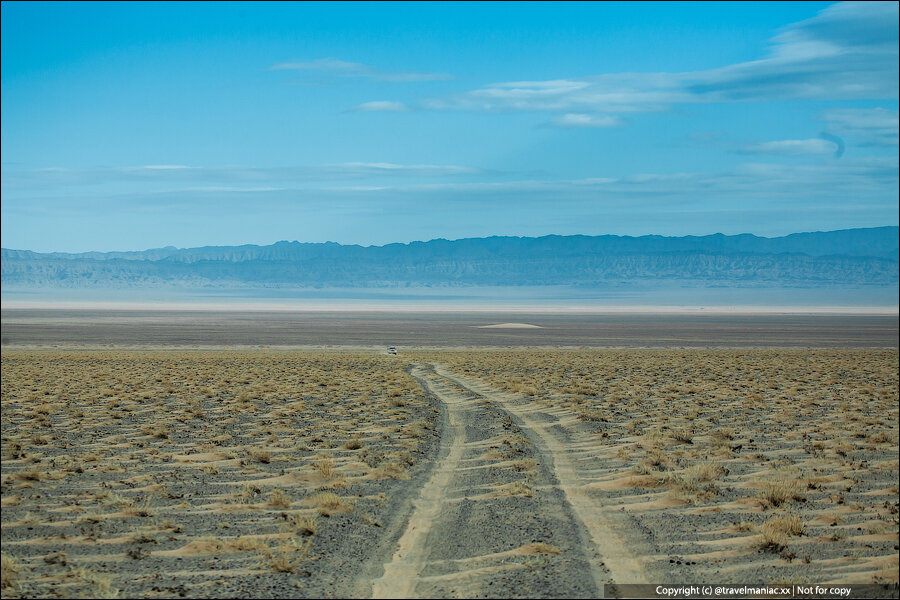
pixel 853 256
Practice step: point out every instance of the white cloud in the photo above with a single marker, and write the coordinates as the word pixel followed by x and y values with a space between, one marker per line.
pixel 381 106
pixel 848 51
pixel 872 126
pixel 342 68
pixel 410 76
pixel 603 93
pixel 793 147
pixel 382 167
pixel 211 177
pixel 843 189
pixel 323 64
pixel 221 188
pixel 580 120
pixel 874 180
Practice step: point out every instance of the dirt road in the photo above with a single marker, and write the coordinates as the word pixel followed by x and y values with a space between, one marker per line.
pixel 505 511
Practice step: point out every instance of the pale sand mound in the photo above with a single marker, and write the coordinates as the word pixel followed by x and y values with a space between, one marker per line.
pixel 510 326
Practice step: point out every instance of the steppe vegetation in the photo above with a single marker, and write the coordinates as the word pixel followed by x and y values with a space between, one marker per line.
pixel 275 473
pixel 197 473
pixel 750 465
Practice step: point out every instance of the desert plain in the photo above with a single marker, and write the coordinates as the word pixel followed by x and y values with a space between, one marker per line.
pixel 192 454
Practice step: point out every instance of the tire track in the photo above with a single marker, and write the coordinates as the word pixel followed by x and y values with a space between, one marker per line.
pixel 468 535
pixel 402 573
pixel 612 553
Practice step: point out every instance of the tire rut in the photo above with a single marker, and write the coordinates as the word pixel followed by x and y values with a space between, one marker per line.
pixel 401 574
pixel 611 562
pixel 494 519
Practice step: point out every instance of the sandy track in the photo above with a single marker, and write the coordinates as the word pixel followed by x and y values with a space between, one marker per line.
pixel 466 537
pixel 611 549
pixel 401 573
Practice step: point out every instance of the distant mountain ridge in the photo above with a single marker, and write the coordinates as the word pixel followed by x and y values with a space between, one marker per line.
pixel 861 256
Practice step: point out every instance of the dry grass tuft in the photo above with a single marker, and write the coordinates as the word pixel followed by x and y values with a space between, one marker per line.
pixel 303 525
pixel 287 556
pixel 514 489
pixel 353 444
pixel 780 491
pixel 325 467
pixel 278 499
pixel 261 455
pixel 329 503
pixel 777 531
pixel 10 569
pixel 538 548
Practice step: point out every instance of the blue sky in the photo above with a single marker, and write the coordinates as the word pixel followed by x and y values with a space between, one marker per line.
pixel 131 126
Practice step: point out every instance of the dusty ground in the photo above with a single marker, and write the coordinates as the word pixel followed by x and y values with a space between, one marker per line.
pixel 776 466
pixel 206 474
pixel 442 329
pixel 484 473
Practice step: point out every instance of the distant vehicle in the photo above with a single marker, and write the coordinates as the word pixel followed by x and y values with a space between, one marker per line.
pixel 392 349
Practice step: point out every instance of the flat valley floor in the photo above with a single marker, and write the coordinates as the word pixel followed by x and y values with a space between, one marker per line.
pixel 187 460
pixel 410 328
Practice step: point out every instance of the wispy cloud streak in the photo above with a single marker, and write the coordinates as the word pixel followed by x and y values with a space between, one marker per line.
pixel 870 126
pixel 339 68
pixel 848 51
pixel 815 146
pixel 48 177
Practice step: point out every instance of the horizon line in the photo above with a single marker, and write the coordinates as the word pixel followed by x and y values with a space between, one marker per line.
pixel 442 239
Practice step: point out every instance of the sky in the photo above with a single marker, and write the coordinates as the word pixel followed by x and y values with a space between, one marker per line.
pixel 129 126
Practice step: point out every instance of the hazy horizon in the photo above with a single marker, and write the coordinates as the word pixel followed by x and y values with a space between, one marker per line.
pixel 412 240
pixel 425 241
pixel 856 268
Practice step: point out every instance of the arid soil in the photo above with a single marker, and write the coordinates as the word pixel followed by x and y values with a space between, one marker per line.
pixel 441 329
pixel 207 474
pixel 765 465
pixel 478 473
